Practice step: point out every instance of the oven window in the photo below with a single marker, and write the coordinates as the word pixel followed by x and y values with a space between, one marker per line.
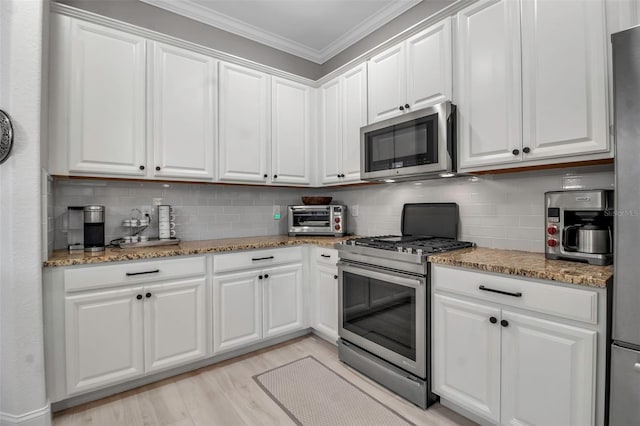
pixel 381 312
pixel 312 218
pixel 409 144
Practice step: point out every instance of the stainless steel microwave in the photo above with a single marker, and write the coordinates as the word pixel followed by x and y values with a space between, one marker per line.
pixel 418 145
pixel 318 220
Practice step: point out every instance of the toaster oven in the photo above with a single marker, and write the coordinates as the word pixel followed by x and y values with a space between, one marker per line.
pixel 317 220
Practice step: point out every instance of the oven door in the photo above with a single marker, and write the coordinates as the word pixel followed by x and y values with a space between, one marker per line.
pixel 384 312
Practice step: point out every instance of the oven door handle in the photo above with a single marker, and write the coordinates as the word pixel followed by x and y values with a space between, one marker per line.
pixel 382 274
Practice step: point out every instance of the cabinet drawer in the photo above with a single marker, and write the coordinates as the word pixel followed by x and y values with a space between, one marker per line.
pixel 91 277
pixel 255 259
pixel 326 256
pixel 571 303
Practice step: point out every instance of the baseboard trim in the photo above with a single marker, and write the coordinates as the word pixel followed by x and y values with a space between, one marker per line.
pixel 39 417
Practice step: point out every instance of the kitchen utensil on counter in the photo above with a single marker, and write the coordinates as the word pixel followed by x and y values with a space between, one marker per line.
pixel 94 229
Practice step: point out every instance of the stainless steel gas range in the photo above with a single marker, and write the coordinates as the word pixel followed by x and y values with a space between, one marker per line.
pixel 384 318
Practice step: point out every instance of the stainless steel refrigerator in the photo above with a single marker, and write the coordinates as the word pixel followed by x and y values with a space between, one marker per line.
pixel 624 406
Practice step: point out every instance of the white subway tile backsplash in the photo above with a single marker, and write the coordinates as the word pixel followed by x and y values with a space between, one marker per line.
pixel 500 211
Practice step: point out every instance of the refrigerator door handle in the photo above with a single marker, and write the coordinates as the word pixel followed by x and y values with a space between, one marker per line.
pixel 636 367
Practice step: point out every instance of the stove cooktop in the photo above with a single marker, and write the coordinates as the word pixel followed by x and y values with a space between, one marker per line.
pixel 412 244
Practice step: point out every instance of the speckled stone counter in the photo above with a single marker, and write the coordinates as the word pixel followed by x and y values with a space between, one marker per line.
pixel 63 258
pixel 527 264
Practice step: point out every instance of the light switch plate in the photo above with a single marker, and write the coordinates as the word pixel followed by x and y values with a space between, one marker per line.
pixel 276 213
pixel 354 210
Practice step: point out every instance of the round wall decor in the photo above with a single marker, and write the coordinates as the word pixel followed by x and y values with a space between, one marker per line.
pixel 6 136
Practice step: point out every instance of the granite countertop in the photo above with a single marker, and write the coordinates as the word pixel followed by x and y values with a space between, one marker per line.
pixel 63 258
pixel 527 264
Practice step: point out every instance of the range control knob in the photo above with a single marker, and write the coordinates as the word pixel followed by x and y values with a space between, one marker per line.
pixel 419 252
pixel 408 250
pixel 400 249
pixel 552 230
pixel 552 242
pixel 336 220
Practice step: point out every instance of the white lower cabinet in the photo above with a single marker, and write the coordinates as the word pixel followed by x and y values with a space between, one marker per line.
pixel 325 293
pixel 118 334
pixel 466 355
pixel 256 304
pixel 509 367
pixel 103 332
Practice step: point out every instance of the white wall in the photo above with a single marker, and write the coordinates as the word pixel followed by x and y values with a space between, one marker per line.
pixel 22 386
pixel 501 211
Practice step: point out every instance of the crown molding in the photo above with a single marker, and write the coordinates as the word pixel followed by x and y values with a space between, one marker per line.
pixel 198 12
pixel 63 9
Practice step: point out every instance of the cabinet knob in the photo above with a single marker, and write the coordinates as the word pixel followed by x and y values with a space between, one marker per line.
pixel 265 176
pixel 148 295
pixel 335 277
pixel 259 277
pixel 515 152
pixel 526 150
pixel 401 108
pixel 275 176
pixel 407 106
pixel 139 297
pixel 493 320
pixel 266 276
pixel 338 175
pixel 504 323
pixel 141 167
pixel 158 168
pixel 341 175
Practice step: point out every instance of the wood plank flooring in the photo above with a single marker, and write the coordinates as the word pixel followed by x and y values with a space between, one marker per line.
pixel 225 394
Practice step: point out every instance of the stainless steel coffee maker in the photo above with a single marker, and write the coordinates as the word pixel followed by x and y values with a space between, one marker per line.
pixel 579 226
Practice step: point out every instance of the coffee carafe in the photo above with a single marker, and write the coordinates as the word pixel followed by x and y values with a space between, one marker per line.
pixel 579 226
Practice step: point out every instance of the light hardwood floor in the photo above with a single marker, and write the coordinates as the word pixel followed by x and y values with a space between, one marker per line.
pixel 225 394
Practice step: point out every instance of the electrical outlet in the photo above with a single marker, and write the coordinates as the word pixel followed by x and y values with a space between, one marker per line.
pixel 354 210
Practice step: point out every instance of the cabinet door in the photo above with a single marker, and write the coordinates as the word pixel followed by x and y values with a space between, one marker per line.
pixel 291 132
pixel 387 84
pixel 107 101
pixel 325 299
pixel 354 116
pixel 175 329
pixel 331 131
pixel 548 372
pixel 488 83
pixel 103 334
pixel 244 119
pixel 564 82
pixel 466 355
pixel 237 315
pixel 184 116
pixel 429 71
pixel 283 300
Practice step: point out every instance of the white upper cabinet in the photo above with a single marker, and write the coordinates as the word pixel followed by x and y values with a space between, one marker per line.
pixel 531 83
pixel 488 83
pixel 343 111
pixel 290 132
pixel 411 75
pixel 429 72
pixel 183 103
pixel 244 119
pixel 387 83
pixel 564 82
pixel 106 120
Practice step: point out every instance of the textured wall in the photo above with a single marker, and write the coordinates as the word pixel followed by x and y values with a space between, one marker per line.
pixel 22 383
pixel 504 211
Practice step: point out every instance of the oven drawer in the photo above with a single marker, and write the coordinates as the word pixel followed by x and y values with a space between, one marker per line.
pixel 571 303
pixel 255 259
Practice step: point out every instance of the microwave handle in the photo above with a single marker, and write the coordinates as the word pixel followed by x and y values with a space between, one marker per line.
pixel 452 136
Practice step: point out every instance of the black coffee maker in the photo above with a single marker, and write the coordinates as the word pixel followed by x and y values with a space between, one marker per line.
pixel 94 229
